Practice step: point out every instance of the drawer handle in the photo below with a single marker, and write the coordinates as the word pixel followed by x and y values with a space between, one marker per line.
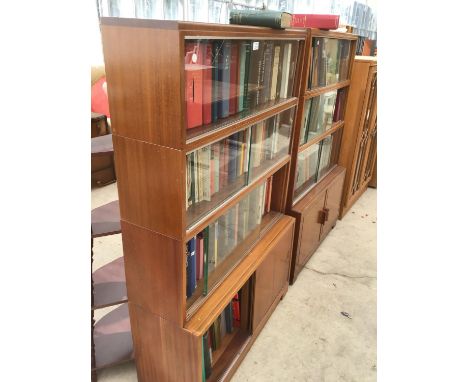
pixel 326 212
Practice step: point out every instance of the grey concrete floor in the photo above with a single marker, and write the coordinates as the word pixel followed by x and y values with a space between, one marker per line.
pixel 307 338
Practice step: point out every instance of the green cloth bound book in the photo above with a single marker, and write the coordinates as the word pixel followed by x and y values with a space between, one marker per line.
pixel 272 19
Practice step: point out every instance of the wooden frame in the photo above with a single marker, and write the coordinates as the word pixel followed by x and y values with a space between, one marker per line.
pixel 333 179
pixel 359 141
pixel 146 87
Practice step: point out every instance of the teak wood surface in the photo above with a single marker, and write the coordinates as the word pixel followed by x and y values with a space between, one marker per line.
pixel 365 68
pixel 146 85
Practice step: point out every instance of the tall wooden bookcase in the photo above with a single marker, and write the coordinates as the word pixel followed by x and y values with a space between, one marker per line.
pixel 316 181
pixel 159 127
pixel 359 153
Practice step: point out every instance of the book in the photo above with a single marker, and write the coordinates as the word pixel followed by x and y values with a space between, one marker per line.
pixel 205 260
pixel 215 85
pixel 207 56
pixel 205 165
pixel 232 158
pixel 255 73
pixel 224 79
pixel 206 366
pixel 193 85
pixel 234 78
pixel 191 267
pixel 199 256
pixel 267 70
pixel 274 75
pixel 261 18
pixel 285 71
pixel 228 317
pixel 236 314
pixel 245 92
pixel 302 20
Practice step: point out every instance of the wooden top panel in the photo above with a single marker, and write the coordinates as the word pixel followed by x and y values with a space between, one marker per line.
pixel 331 34
pixel 194 27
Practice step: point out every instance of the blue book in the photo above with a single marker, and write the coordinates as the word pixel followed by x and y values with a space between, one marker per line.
pixel 191 266
pixel 224 79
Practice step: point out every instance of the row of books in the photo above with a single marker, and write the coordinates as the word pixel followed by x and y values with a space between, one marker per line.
pixel 223 325
pixel 227 164
pixel 313 162
pixel 320 113
pixel 225 77
pixel 330 61
pixel 210 247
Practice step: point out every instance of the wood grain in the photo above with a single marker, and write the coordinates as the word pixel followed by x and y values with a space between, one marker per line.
pixel 146 253
pixel 151 186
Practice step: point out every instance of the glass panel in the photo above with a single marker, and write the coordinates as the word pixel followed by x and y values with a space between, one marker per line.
pixel 219 170
pixel 214 251
pixel 316 161
pixel 318 115
pixel 226 80
pixel 330 61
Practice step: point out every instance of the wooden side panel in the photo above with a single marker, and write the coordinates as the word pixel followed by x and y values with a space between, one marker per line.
pixel 146 253
pixel 272 275
pixel 151 185
pixel 164 352
pixel 144 75
pixel 333 202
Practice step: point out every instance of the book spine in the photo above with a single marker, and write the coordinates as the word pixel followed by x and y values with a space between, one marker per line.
pixel 274 75
pixel 226 161
pixel 302 20
pixel 192 277
pixel 280 70
pixel 268 62
pixel 234 79
pixel 215 81
pixel 236 311
pixel 225 78
pixel 257 18
pixel 206 365
pixel 245 92
pixel 193 86
pixel 207 80
pixel 232 157
pixel 241 76
pixel 197 176
pixel 200 256
pixel 215 167
pixel 285 70
pixel 206 172
pixel 205 260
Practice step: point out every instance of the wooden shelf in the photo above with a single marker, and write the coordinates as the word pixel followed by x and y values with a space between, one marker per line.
pixel 325 89
pixel 105 220
pixel 268 170
pixel 203 135
pixel 224 357
pixel 215 303
pixel 109 284
pixel 113 338
pixel 334 127
pixel 221 272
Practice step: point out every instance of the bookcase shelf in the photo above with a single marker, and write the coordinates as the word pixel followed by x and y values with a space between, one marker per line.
pixel 204 229
pixel 328 61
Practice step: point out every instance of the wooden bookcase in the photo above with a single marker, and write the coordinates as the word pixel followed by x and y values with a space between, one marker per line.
pixel 359 147
pixel 316 180
pixel 152 71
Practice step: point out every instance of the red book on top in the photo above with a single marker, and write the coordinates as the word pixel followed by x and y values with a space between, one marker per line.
pixel 302 20
pixel 193 85
pixel 234 71
pixel 207 58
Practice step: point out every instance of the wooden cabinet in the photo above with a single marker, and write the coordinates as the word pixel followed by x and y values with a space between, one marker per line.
pixel 203 169
pixel 359 143
pixel 272 276
pixel 316 215
pixel 315 184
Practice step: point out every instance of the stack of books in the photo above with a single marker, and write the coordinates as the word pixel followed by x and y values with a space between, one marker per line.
pixel 209 248
pixel 225 77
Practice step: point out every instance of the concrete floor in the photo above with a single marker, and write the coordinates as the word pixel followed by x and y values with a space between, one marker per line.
pixel 307 338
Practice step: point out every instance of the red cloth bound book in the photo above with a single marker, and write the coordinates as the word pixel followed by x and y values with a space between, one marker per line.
pixel 193 85
pixel 199 256
pixel 236 311
pixel 303 20
pixel 234 71
pixel 207 49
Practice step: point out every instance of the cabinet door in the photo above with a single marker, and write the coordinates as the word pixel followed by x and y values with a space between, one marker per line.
pixel 272 275
pixel 311 225
pixel 332 204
